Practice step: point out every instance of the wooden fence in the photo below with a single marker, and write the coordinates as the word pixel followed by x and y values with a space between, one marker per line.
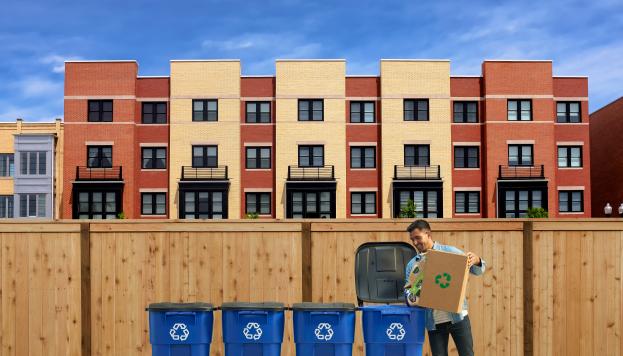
pixel 552 287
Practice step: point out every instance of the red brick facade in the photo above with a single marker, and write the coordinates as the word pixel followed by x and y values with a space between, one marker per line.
pixel 606 150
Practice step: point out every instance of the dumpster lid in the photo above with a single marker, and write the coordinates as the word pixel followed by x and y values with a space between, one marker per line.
pixel 180 306
pixel 275 306
pixel 324 306
pixel 380 271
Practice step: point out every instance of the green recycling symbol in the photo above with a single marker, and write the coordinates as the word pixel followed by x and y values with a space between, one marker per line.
pixel 443 285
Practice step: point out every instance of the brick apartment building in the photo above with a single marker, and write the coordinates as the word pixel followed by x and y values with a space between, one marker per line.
pixel 606 132
pixel 313 142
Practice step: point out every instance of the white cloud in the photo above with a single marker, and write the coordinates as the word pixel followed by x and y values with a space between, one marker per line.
pixel 38 86
pixel 58 62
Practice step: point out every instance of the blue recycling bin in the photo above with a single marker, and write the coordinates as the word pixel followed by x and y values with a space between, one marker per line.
pixel 253 329
pixel 180 329
pixel 393 330
pixel 324 329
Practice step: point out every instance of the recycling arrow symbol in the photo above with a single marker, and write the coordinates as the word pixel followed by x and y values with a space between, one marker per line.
pixel 179 332
pixel 442 284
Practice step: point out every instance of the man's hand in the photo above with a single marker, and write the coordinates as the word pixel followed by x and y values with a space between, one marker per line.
pixel 472 259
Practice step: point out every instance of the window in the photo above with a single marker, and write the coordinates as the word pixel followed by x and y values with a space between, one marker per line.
pixel 32 205
pixel 466 157
pixel 363 157
pixel 570 156
pixel 153 203
pixel 571 201
pixel 257 203
pixel 311 110
pixel 32 163
pixel 520 155
pixel 97 205
pixel 465 111
pixel 426 202
pixel 203 205
pixel 6 206
pixel 154 158
pixel 313 205
pixel 205 156
pixel 205 110
pixel 519 110
pixel 99 156
pixel 258 157
pixel 258 112
pixel 154 113
pixel 467 202
pixel 100 110
pixel 568 112
pixel 362 111
pixel 311 156
pixel 517 202
pixel 417 155
pixel 6 165
pixel 363 203
pixel 416 110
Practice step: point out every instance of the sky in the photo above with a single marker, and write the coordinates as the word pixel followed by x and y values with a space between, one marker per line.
pixel 36 37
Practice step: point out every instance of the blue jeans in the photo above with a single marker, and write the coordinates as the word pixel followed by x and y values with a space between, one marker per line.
pixel 461 334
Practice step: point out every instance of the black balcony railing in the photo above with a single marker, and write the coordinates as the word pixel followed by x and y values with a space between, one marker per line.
pixel 417 172
pixel 204 173
pixel 99 173
pixel 521 172
pixel 311 173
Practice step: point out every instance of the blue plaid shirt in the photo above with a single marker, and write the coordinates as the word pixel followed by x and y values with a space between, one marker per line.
pixel 475 270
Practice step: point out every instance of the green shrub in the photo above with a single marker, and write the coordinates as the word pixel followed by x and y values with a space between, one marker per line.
pixel 408 211
pixel 537 213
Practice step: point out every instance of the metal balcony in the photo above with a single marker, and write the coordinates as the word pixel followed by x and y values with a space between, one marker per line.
pixel 322 173
pixel 521 172
pixel 190 173
pixel 417 172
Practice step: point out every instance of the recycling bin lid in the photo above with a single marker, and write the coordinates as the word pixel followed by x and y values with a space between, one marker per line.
pixel 270 306
pixel 180 307
pixel 324 306
pixel 380 271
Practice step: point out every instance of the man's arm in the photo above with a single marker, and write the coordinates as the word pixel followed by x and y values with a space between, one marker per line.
pixel 476 269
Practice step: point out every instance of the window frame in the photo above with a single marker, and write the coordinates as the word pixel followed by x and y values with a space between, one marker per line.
pixel 569 207
pixel 310 148
pixel 90 202
pixel 27 198
pixel 7 164
pixel 464 113
pixel 154 203
pixel 363 156
pixel 99 156
pixel 100 112
pixel 520 155
pixel 204 156
pixel 310 109
pixel 154 158
pixel 415 109
pixel 154 119
pixel 258 107
pixel 518 109
pixel 362 112
pixel 205 113
pixel 416 155
pixel 258 203
pixel 258 157
pixel 466 157
pixel 7 203
pixel 25 169
pixel 363 203
pixel 210 204
pixel 567 118
pixel 568 160
pixel 466 201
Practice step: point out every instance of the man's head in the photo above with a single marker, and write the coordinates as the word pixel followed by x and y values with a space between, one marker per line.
pixel 420 235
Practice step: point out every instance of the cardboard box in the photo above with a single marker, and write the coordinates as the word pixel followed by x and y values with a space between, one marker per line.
pixel 439 281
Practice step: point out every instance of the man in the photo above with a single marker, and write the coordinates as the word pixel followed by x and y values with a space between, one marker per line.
pixel 441 324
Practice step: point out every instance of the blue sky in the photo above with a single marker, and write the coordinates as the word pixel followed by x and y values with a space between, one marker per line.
pixel 36 37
